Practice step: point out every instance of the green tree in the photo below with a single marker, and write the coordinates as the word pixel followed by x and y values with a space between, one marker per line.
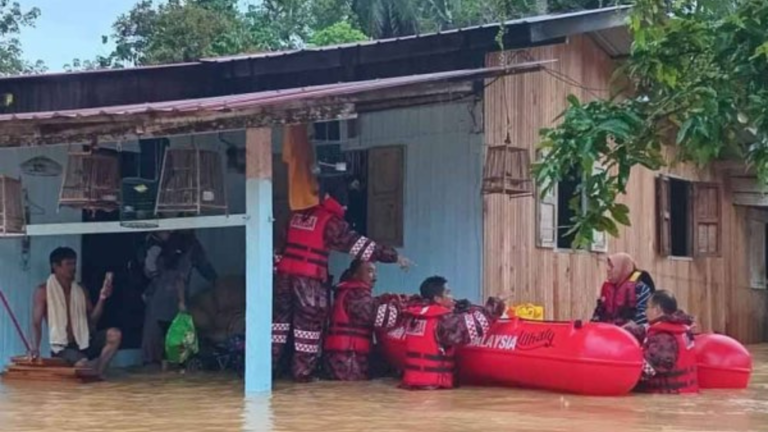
pixel 12 20
pixel 340 33
pixel 698 72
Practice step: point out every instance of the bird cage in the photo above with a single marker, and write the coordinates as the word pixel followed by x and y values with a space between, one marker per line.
pixel 12 221
pixel 91 181
pixel 507 171
pixel 191 182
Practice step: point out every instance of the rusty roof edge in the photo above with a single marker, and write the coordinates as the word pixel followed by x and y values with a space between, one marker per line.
pixel 268 98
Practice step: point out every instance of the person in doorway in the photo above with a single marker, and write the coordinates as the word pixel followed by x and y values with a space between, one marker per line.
pixel 624 295
pixel 668 347
pixel 434 330
pixel 300 288
pixel 354 315
pixel 71 317
pixel 171 257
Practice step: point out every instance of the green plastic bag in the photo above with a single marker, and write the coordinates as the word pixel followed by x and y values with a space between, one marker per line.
pixel 181 340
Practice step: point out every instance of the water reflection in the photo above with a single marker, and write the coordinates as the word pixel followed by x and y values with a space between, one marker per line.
pixel 140 402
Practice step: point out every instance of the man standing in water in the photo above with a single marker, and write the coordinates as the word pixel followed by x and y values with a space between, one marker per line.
pixel 435 329
pixel 71 316
pixel 301 291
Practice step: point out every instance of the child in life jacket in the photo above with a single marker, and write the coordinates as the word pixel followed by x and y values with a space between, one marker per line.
pixel 668 347
pixel 433 331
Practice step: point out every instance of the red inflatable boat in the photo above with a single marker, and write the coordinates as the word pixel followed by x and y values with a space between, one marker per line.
pixel 722 362
pixel 589 359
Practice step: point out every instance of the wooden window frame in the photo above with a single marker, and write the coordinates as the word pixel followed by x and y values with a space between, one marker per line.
pixel 695 219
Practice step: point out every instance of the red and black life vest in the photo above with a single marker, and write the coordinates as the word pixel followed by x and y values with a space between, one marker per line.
pixel 683 377
pixel 305 251
pixel 344 336
pixel 427 364
pixel 620 302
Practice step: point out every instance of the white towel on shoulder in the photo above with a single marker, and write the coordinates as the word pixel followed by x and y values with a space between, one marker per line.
pixel 57 315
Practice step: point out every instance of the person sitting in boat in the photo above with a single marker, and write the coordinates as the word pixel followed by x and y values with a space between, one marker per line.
pixel 624 295
pixel 354 315
pixel 668 347
pixel 71 317
pixel 435 329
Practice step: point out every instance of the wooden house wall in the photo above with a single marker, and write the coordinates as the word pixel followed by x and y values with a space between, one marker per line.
pixel 566 283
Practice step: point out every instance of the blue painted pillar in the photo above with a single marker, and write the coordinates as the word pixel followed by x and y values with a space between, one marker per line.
pixel 258 261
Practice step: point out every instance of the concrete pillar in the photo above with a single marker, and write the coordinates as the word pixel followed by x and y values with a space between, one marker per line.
pixel 258 261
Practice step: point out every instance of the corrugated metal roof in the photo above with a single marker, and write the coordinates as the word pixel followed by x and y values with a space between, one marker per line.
pixel 528 20
pixel 267 98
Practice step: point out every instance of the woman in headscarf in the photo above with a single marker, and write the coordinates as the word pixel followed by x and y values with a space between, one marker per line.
pixel 624 295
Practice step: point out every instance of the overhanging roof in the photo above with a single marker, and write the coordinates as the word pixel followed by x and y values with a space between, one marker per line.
pixel 222 112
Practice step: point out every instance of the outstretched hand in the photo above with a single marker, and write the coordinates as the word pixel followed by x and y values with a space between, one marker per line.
pixel 404 263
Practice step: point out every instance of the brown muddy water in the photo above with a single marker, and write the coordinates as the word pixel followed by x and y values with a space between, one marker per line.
pixel 171 402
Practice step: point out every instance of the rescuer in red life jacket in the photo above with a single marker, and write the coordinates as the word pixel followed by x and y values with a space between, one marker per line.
pixel 668 348
pixel 435 329
pixel 300 290
pixel 624 295
pixel 355 314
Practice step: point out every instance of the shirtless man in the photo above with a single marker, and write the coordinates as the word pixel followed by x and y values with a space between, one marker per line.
pixel 72 317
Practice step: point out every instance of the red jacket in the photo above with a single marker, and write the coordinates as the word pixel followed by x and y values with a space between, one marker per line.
pixel 682 378
pixel 619 303
pixel 306 253
pixel 343 335
pixel 427 364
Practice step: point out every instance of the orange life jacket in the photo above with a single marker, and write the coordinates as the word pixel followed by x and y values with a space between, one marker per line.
pixel 344 336
pixel 683 378
pixel 427 364
pixel 619 302
pixel 305 251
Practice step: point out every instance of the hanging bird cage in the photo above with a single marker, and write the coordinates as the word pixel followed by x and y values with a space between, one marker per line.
pixel 192 182
pixel 138 195
pixel 91 181
pixel 12 220
pixel 507 171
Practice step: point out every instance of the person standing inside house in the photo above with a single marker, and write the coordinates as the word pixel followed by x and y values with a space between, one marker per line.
pixel 436 328
pixel 71 317
pixel 301 299
pixel 354 316
pixel 169 262
pixel 668 347
pixel 624 295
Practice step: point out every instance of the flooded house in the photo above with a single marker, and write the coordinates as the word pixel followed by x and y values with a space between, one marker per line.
pixel 438 132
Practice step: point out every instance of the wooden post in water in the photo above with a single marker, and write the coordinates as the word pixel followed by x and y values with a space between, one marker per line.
pixel 258 260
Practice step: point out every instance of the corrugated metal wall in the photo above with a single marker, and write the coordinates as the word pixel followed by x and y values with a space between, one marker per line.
pixel 443 207
pixel 17 279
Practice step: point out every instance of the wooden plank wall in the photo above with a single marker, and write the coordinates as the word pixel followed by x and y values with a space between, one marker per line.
pixel 566 283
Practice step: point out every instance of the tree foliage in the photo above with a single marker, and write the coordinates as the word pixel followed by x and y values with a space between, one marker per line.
pixel 698 92
pixel 12 19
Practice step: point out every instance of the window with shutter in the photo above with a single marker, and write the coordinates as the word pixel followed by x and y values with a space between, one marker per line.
pixel 663 217
pixel 757 253
pixel 706 220
pixel 546 220
pixel 386 185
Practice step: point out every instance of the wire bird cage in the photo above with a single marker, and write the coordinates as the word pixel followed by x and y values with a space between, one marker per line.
pixel 91 181
pixel 12 219
pixel 507 171
pixel 192 182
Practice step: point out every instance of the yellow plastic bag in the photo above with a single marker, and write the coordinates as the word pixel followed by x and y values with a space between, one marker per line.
pixel 527 311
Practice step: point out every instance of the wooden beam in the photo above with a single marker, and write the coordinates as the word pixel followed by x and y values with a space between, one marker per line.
pixel 188 223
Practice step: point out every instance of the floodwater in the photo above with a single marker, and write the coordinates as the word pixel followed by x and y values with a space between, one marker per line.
pixel 171 402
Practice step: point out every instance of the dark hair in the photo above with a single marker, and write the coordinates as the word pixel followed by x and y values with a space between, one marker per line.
pixel 336 187
pixel 646 278
pixel 433 287
pixel 354 267
pixel 60 254
pixel 665 300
